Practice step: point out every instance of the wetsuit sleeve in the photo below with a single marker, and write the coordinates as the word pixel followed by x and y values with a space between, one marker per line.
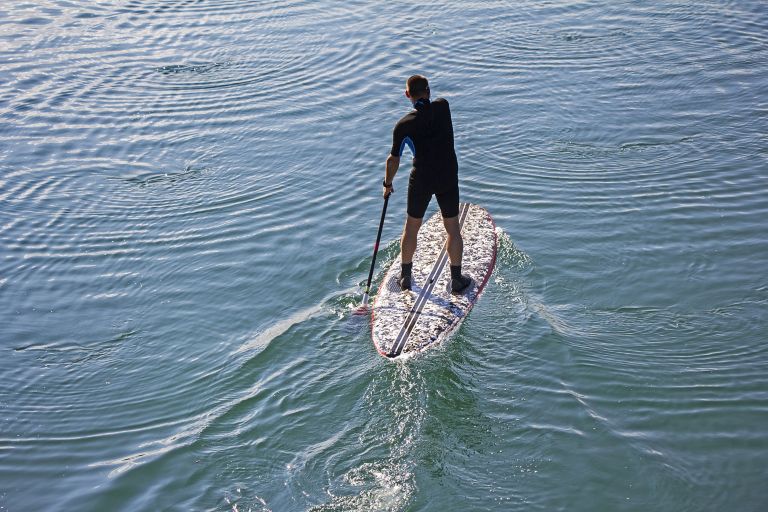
pixel 397 140
pixel 400 139
pixel 449 121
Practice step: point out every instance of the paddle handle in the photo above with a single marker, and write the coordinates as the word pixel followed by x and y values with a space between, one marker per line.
pixel 375 250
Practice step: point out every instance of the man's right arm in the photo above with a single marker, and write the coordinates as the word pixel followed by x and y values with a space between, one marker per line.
pixel 393 164
pixel 393 160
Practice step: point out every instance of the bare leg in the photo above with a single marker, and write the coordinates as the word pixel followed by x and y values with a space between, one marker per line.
pixel 408 241
pixel 455 242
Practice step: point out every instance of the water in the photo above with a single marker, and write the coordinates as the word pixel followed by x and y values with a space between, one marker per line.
pixel 190 192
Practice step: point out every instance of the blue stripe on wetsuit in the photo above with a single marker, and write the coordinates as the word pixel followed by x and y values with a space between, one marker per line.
pixel 407 140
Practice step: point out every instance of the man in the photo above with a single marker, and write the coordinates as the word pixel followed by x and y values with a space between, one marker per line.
pixel 428 132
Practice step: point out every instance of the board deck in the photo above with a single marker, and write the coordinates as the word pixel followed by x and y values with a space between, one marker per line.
pixel 405 322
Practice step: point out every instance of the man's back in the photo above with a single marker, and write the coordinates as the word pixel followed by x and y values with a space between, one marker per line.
pixel 428 131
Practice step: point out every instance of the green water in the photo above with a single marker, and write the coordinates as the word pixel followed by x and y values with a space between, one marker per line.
pixel 189 195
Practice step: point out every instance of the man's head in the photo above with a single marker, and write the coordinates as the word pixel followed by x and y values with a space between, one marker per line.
pixel 417 87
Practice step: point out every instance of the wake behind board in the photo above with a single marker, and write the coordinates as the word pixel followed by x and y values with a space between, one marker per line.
pixel 410 321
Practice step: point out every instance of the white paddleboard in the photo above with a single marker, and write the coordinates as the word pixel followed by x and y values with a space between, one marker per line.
pixel 404 322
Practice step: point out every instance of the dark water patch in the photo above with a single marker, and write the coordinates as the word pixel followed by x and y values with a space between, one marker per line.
pixel 165 178
pixel 180 68
pixel 226 75
pixel 87 15
pixel 72 346
pixel 35 21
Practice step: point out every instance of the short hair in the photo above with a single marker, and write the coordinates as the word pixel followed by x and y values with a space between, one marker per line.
pixel 417 84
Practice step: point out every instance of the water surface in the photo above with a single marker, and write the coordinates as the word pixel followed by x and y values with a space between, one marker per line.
pixel 190 191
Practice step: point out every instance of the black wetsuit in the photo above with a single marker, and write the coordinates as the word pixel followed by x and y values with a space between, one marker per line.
pixel 428 132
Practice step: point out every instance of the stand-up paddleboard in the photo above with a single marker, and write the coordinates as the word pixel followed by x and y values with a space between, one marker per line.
pixel 409 321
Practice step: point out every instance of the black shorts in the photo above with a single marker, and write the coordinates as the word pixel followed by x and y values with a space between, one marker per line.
pixel 420 194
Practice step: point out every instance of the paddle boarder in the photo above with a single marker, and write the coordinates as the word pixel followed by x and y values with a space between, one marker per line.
pixel 427 130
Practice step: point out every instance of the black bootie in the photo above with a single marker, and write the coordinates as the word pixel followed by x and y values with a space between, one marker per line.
pixel 405 276
pixel 459 283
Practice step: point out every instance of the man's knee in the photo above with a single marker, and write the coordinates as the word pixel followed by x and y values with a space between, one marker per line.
pixel 412 224
pixel 452 226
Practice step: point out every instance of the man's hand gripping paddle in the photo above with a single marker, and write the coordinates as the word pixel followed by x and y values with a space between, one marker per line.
pixel 363 309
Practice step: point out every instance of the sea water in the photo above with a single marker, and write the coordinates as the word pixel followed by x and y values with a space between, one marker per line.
pixel 189 195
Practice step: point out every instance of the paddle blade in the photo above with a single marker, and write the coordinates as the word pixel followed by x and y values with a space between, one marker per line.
pixel 363 308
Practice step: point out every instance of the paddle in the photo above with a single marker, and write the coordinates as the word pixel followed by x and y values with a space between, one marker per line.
pixel 363 309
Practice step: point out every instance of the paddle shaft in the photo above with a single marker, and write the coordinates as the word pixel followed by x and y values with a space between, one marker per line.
pixel 375 250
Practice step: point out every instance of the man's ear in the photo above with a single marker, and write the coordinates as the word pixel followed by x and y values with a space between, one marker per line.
pixel 407 94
